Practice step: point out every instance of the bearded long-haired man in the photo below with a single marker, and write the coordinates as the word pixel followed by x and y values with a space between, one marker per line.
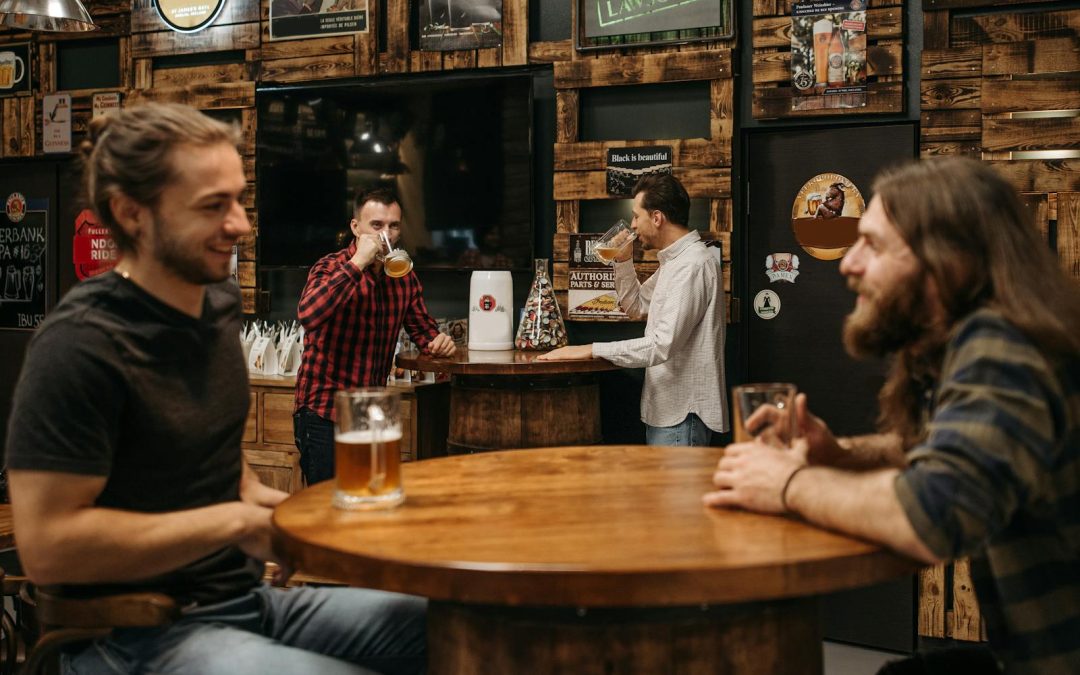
pixel 979 450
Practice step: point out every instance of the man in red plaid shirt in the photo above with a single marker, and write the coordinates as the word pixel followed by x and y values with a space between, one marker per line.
pixel 352 314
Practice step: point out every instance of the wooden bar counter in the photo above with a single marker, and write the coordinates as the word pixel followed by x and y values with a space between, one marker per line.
pixel 588 560
pixel 508 399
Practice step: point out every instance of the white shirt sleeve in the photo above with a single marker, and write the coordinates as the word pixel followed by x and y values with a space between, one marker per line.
pixel 680 306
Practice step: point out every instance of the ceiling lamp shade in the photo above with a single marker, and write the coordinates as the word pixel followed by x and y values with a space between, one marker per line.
pixel 62 16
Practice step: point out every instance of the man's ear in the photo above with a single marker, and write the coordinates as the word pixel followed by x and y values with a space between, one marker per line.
pixel 130 215
pixel 353 224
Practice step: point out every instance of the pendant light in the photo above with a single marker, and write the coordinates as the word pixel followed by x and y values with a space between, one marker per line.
pixel 62 16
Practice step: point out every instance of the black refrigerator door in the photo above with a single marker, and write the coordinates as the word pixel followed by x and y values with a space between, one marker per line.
pixel 801 342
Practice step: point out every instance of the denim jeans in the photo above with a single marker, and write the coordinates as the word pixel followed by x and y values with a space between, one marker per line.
pixel 314 437
pixel 330 631
pixel 691 431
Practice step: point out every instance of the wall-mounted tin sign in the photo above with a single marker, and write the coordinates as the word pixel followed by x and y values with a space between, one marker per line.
pixel 825 216
pixel 188 16
pixel 56 123
pixel 296 19
pixel 106 103
pixel 625 166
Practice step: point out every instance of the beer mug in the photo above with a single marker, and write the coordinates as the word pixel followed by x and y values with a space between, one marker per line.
pixel 773 426
pixel 367 449
pixel 613 241
pixel 12 70
pixel 396 261
pixel 813 200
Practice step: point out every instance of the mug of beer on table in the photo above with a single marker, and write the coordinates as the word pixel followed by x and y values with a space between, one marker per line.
pixel 614 240
pixel 367 449
pixel 765 412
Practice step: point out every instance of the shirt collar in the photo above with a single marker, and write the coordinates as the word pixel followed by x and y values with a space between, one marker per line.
pixel 680 245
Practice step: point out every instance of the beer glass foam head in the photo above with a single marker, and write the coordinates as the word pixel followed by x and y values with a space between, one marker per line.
pixel 823 26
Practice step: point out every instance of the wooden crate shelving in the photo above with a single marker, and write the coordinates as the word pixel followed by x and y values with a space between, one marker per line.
pixel 995 85
pixel 703 165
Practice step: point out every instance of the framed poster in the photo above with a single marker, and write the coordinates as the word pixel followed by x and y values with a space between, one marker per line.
pixel 625 166
pixel 15 64
pixel 296 19
pixel 828 54
pixel 24 231
pixel 609 24
pixel 460 24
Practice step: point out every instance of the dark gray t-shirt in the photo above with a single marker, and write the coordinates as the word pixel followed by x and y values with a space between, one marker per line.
pixel 120 385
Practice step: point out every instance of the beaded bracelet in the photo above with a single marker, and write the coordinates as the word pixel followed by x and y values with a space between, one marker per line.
pixel 787 484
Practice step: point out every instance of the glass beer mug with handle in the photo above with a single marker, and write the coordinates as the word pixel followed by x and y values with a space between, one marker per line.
pixel 367 449
pixel 614 240
pixel 396 261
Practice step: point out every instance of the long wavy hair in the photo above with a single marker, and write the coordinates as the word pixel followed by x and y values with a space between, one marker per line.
pixel 976 241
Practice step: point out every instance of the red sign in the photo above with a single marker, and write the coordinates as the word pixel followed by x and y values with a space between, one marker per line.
pixel 93 249
pixel 487 302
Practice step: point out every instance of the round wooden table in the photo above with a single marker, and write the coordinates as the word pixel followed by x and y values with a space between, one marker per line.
pixel 509 399
pixel 588 560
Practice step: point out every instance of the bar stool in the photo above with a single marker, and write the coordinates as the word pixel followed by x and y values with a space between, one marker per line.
pixel 63 621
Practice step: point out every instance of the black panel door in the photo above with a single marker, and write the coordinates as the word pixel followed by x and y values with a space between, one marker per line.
pixel 802 342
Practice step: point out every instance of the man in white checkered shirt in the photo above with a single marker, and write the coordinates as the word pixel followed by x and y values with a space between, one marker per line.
pixel 683 400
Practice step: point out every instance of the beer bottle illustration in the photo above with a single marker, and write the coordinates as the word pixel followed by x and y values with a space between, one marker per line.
pixel 836 59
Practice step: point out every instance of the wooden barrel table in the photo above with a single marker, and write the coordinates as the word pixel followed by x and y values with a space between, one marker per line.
pixel 588 560
pixel 509 399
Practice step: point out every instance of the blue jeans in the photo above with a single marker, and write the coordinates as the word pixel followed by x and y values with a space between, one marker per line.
pixel 314 437
pixel 330 631
pixel 691 431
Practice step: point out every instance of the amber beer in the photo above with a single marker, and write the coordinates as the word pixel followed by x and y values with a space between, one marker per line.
pixel 367 449
pixel 397 264
pixel 823 32
pixel 606 253
pixel 368 464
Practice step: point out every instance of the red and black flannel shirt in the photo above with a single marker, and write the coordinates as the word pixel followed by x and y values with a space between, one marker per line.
pixel 351 322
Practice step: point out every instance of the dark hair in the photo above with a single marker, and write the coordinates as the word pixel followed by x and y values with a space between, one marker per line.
pixel 381 194
pixel 664 193
pixel 975 239
pixel 131 153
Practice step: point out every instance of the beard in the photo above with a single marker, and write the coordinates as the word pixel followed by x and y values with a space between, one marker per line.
pixel 185 260
pixel 887 323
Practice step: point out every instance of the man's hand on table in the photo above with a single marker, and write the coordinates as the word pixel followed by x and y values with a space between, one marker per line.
pixel 571 353
pixel 753 476
pixel 442 345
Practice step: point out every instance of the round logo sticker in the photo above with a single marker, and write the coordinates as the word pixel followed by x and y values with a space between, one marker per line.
pixel 487 302
pixel 188 16
pixel 766 304
pixel 15 207
pixel 825 216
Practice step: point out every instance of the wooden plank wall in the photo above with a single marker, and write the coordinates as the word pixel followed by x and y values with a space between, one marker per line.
pixel 998 84
pixel 158 64
pixel 983 75
pixel 703 165
pixel 772 60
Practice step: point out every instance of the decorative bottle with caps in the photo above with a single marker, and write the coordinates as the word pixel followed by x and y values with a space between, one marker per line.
pixel 541 324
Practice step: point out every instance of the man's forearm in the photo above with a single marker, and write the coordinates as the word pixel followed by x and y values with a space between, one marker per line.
pixel 863 504
pixel 99 545
pixel 872 451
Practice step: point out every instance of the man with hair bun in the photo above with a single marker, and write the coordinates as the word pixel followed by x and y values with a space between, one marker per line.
pixel 978 453
pixel 124 453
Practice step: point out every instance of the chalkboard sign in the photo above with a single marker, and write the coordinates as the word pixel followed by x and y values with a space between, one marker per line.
pixel 24 230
